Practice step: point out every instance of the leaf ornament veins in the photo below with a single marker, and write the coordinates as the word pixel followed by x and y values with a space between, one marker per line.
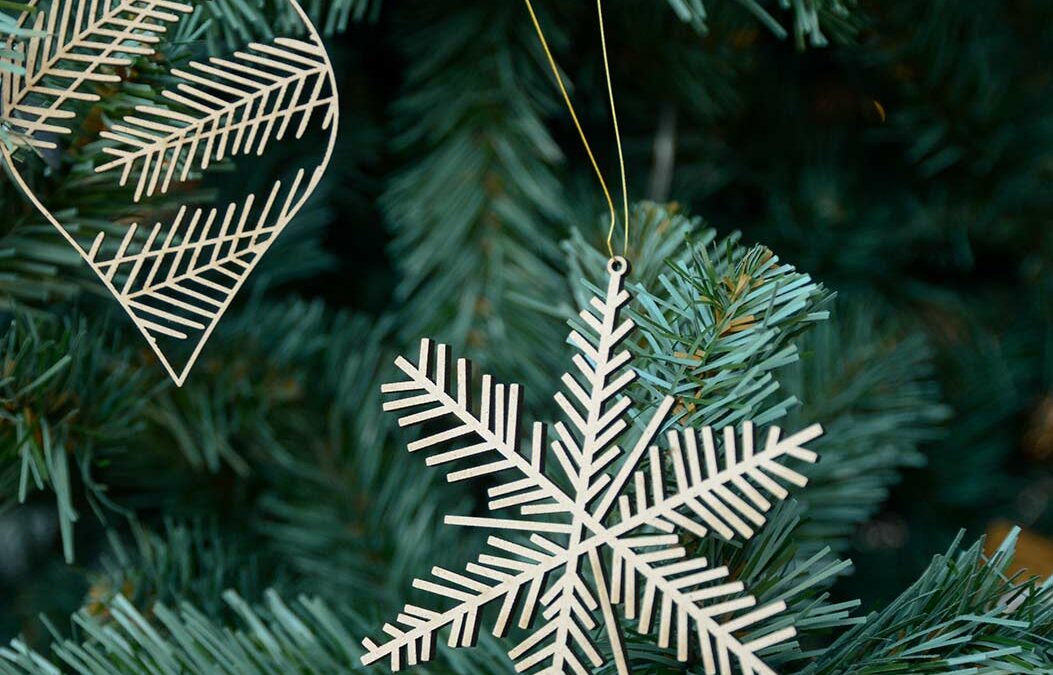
pixel 571 562
pixel 231 107
pixel 75 47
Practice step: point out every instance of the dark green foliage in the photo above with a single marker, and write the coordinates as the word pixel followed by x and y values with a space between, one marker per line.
pixel 475 211
pixel 302 636
pixel 811 19
pixel 264 517
pixel 874 390
pixel 69 399
pixel 306 637
pixel 193 563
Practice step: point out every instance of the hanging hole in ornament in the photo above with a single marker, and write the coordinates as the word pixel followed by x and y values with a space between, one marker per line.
pixel 618 265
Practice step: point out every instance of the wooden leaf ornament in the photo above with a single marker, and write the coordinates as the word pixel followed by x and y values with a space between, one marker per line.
pixel 590 534
pixel 176 271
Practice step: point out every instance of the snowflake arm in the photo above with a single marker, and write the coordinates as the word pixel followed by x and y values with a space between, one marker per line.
pixel 510 572
pixel 722 498
pixel 712 497
pixel 488 438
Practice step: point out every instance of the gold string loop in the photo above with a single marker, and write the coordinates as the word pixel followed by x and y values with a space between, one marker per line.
pixel 581 132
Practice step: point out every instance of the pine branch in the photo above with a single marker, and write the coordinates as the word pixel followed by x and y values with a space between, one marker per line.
pixel 305 636
pixel 36 268
pixel 810 17
pixel 182 563
pixel 735 356
pixel 717 318
pixel 964 614
pixel 290 414
pixel 277 367
pixel 68 400
pixel 333 508
pixel 474 212
pixel 228 24
pixel 873 388
pixel 325 510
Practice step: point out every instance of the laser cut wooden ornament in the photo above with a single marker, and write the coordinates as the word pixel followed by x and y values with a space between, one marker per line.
pixel 175 277
pixel 608 544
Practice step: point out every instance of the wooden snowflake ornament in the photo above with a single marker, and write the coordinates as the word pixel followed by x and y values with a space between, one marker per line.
pixel 595 536
pixel 175 274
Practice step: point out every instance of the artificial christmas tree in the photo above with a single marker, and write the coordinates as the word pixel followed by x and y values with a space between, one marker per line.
pixel 263 517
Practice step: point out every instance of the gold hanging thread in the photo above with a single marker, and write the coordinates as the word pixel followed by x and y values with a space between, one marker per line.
pixel 581 132
pixel 617 135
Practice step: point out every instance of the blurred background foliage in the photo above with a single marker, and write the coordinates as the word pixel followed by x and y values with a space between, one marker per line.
pixel 843 215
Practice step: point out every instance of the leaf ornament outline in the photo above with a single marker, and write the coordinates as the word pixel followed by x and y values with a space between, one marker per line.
pixel 565 564
pixel 175 278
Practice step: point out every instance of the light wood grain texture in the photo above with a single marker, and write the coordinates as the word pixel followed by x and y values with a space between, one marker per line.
pixel 562 562
pixel 76 46
pixel 175 279
pixel 236 107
